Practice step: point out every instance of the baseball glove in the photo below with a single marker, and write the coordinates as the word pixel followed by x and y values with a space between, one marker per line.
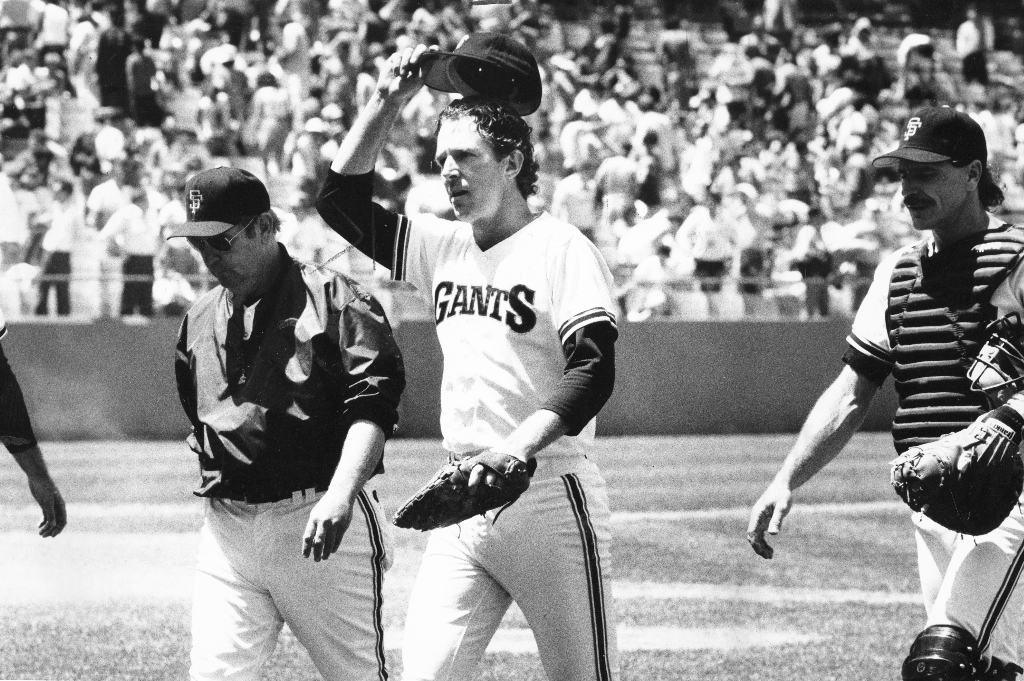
pixel 970 480
pixel 447 498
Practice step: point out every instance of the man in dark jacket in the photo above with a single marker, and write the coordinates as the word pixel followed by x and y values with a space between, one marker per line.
pixel 291 379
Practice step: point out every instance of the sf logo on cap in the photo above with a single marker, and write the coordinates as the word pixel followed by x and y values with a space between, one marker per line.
pixel 912 125
pixel 195 197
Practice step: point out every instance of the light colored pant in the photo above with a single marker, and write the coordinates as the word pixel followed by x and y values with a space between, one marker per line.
pixel 252 578
pixel 548 552
pixel 971 582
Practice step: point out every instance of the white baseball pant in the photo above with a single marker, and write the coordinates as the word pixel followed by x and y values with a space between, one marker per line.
pixel 549 552
pixel 970 582
pixel 251 578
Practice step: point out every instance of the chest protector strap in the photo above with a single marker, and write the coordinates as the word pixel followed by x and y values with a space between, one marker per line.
pixel 939 306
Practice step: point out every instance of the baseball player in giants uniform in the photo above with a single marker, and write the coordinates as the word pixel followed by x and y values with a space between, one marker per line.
pixel 17 435
pixel 923 321
pixel 522 305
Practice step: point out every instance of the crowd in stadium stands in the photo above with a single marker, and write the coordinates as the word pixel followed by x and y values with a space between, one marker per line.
pixel 723 171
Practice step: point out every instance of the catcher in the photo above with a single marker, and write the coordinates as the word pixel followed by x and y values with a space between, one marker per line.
pixel 941 316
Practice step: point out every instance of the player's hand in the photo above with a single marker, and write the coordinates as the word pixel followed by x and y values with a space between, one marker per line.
pixel 767 516
pixel 55 515
pixel 481 476
pixel 327 524
pixel 400 75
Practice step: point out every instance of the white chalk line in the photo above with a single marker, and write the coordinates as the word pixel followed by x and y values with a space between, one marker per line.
pixel 522 642
pixel 668 591
pixel 190 510
pixel 161 566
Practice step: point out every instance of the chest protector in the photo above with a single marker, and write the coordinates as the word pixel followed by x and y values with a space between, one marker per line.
pixel 939 305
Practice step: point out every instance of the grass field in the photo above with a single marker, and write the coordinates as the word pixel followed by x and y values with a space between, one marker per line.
pixel 109 598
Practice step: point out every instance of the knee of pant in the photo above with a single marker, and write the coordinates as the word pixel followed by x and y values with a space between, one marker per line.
pixel 942 653
pixel 1000 671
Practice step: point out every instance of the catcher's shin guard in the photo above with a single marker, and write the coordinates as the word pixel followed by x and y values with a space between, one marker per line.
pixel 942 653
pixel 999 671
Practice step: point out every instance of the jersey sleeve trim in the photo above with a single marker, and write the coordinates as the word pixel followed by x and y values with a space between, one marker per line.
pixel 591 316
pixel 401 251
pixel 871 361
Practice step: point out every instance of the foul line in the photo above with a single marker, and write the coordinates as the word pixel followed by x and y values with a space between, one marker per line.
pixel 756 594
pixel 638 638
pixel 743 512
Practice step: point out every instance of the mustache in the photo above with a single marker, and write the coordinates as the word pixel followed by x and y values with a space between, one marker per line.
pixel 916 200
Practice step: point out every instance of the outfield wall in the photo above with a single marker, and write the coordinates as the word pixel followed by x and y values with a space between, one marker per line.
pixel 109 379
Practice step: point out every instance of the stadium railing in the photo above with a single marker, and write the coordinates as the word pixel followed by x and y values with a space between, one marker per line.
pixel 680 298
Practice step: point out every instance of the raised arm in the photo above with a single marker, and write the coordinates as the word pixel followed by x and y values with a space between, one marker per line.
pixel 345 201
pixel 399 80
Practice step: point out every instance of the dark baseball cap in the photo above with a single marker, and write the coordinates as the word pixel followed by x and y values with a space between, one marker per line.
pixel 487 64
pixel 938 133
pixel 218 199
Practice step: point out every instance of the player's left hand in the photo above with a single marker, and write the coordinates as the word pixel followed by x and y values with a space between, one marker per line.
pixel 482 477
pixel 55 515
pixel 327 524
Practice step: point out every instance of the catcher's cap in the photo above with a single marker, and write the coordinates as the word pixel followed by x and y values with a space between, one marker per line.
pixel 938 133
pixel 219 198
pixel 487 64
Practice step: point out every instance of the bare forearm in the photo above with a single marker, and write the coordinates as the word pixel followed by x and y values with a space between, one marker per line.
pixel 538 431
pixel 359 458
pixel 362 145
pixel 31 461
pixel 399 80
pixel 833 420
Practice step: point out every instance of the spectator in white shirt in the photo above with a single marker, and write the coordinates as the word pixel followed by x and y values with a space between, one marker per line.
pixel 54 30
pixel 575 196
pixel 973 40
pixel 66 227
pixel 14 226
pixel 711 244
pixel 133 232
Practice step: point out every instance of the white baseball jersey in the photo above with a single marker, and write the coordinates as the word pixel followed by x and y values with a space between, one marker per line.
pixel 502 316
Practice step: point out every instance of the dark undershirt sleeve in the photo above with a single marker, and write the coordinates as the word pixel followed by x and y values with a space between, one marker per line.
pixel 589 376
pixel 346 205
pixel 16 432
pixel 872 368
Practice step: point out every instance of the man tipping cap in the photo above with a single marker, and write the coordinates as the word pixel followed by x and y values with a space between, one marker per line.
pixel 487 64
pixel 938 133
pixel 218 199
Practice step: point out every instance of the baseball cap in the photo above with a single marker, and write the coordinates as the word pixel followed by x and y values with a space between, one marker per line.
pixel 938 133
pixel 487 64
pixel 219 198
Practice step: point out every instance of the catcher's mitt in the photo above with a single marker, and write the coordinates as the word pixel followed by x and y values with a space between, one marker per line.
pixel 969 480
pixel 447 499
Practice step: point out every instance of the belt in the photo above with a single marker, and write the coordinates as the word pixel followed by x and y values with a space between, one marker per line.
pixel 269 496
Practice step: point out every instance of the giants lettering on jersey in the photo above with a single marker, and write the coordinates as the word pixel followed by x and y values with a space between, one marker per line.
pixel 511 307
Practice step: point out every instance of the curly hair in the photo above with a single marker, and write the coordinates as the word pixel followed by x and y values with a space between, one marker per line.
pixel 262 222
pixel 503 129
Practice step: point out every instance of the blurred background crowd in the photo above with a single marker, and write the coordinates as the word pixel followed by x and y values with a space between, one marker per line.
pixel 717 153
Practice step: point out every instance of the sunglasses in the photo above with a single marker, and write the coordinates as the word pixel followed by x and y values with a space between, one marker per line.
pixel 217 242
